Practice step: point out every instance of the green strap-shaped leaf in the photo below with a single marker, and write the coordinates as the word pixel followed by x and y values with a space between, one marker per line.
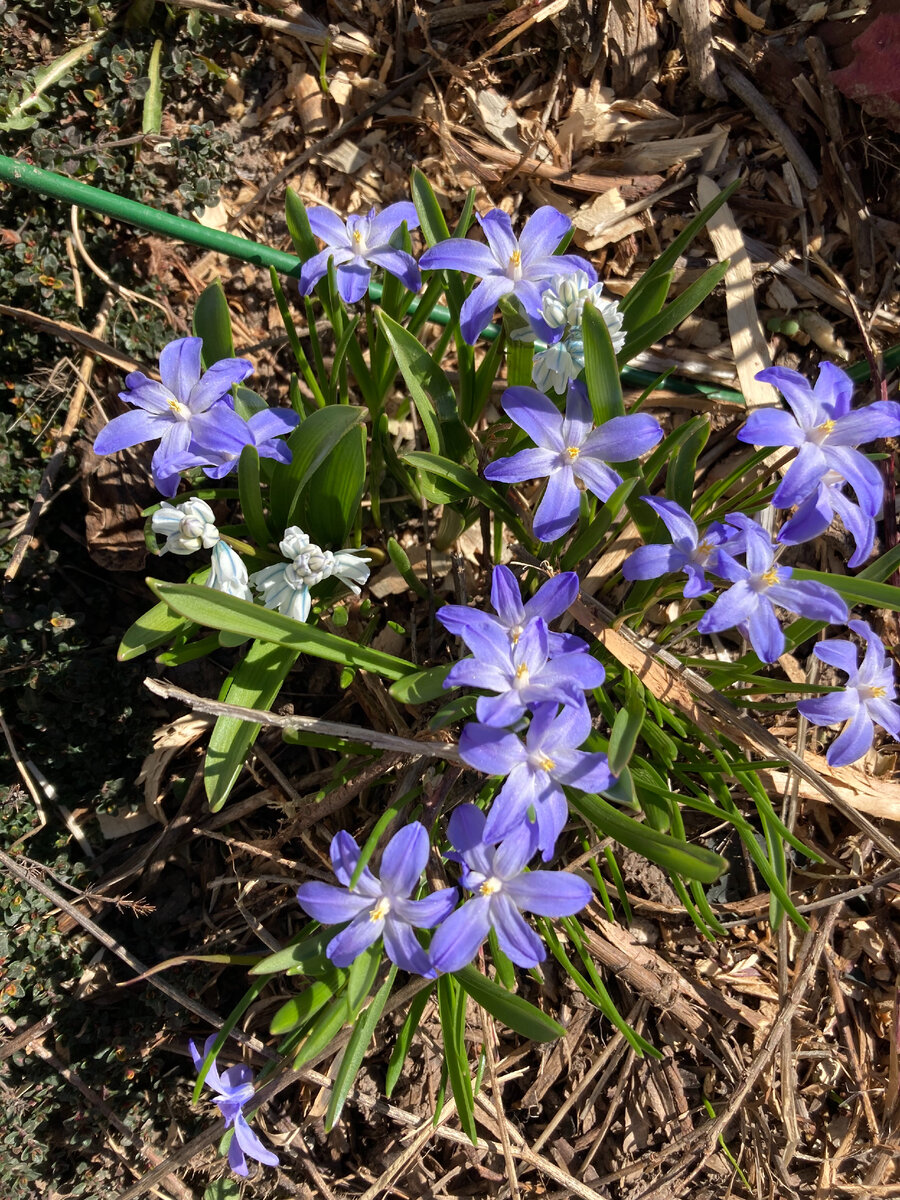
pixel 430 390
pixel 601 371
pixel 680 858
pixel 328 507
pixel 856 589
pixel 155 627
pixel 407 1031
pixel 452 1005
pixel 627 725
pixel 468 483
pixel 422 686
pixel 305 956
pixel 255 683
pixel 297 1012
pixel 218 611
pixel 298 225
pixel 648 282
pixel 251 496
pixel 514 1011
pixel 351 1059
pixel 151 117
pixel 310 444
pixel 212 322
pixel 673 314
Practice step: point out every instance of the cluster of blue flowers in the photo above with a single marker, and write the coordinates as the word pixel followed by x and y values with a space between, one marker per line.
pixel 191 414
pixel 826 434
pixel 527 669
pixel 551 289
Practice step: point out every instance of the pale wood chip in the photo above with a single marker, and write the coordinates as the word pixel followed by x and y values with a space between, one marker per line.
pixel 748 341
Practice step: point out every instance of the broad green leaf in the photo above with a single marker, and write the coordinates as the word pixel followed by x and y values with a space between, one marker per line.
pixel 673 314
pixel 429 389
pixel 155 627
pixel 310 444
pixel 212 322
pixel 328 507
pixel 355 1052
pixel 362 973
pixel 255 683
pixel 251 496
pixel 421 686
pixel 405 1037
pixel 601 371
pixel 680 858
pixel 514 1011
pixel 218 611
pixel 452 1007
pixel 223 1189
pixel 151 116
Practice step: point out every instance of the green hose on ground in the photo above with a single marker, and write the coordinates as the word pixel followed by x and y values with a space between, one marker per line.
pixel 73 191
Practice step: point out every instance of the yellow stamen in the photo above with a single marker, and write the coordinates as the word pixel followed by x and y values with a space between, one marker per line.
pixel 770 577
pixel 522 673
pixel 704 548
pixel 515 259
pixel 178 408
pixel 381 909
pixel 490 887
pixel 545 763
pixel 357 236
pixel 878 693
pixel 826 426
pixel 573 452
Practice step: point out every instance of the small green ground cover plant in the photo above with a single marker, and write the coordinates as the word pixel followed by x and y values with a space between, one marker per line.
pixel 283 511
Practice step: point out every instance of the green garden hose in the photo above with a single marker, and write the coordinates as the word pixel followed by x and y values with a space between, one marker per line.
pixel 73 191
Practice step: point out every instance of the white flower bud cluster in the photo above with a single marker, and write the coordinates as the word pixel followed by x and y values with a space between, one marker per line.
pixel 187 527
pixel 286 586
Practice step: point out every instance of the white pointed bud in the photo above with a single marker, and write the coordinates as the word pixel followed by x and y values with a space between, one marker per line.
pixel 228 574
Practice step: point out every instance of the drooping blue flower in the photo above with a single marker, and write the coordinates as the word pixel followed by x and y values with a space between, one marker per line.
pixel 749 604
pixel 187 527
pixel 866 699
pixel 817 511
pixel 825 432
pixel 363 243
pixel 379 907
pixel 286 586
pixel 264 429
pixel 522 673
pixel 176 411
pixel 503 891
pixel 570 452
pixel 508 266
pixel 233 1089
pixel 536 770
pixel 689 552
pixel 549 602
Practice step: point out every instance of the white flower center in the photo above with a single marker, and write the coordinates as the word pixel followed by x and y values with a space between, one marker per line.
pixel 181 411
pixel 491 886
pixel 514 267
pixel 381 909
